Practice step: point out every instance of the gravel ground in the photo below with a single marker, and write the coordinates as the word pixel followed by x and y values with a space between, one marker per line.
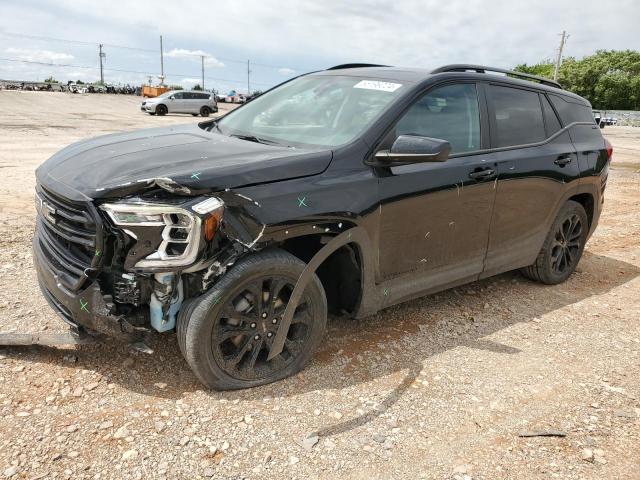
pixel 440 387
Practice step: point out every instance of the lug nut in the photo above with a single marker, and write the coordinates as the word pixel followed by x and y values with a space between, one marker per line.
pixel 257 337
pixel 269 334
pixel 264 315
pixel 274 321
pixel 253 325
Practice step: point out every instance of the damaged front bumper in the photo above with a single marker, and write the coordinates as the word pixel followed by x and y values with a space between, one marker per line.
pixel 86 310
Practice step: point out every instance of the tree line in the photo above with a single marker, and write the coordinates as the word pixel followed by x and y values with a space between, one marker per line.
pixel 609 79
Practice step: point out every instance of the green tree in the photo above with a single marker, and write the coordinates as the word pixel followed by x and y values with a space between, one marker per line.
pixel 175 87
pixel 50 79
pixel 197 87
pixel 609 79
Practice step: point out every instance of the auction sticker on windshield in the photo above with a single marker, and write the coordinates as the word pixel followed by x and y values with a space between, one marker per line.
pixel 375 85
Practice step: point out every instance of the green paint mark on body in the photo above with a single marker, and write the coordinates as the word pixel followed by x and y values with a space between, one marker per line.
pixel 98 252
pixel 386 292
pixel 302 202
pixel 196 175
pixel 83 306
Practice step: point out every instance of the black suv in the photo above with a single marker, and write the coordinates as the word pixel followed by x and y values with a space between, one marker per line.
pixel 346 190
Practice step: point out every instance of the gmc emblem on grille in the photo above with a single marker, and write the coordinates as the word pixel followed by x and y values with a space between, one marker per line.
pixel 45 210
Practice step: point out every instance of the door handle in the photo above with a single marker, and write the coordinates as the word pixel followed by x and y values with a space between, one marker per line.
pixel 563 160
pixel 487 174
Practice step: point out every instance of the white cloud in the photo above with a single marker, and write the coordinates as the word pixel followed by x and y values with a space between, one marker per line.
pixel 192 81
pixel 209 59
pixel 424 33
pixel 33 55
pixel 286 71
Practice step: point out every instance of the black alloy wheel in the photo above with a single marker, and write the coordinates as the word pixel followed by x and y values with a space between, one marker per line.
pixel 563 246
pixel 161 110
pixel 227 333
pixel 245 328
pixel 566 245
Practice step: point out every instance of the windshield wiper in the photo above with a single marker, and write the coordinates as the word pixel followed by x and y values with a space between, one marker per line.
pixel 253 138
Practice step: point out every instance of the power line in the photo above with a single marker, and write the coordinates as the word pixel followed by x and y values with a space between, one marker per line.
pixel 140 49
pixel 146 73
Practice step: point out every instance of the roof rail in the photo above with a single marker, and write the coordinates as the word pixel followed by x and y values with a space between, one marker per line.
pixel 355 65
pixel 481 69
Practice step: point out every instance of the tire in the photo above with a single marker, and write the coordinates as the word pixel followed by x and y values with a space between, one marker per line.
pixel 563 247
pixel 226 362
pixel 161 110
pixel 194 114
pixel 205 111
pixel 151 113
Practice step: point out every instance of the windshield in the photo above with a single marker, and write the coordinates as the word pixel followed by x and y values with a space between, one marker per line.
pixel 317 111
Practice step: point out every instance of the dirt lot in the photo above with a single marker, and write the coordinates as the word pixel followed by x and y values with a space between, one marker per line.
pixel 439 387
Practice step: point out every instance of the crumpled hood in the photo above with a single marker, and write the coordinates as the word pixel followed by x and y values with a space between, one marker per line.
pixel 184 159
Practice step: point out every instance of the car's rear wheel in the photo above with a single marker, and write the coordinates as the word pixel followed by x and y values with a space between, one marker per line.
pixel 563 247
pixel 161 110
pixel 205 111
pixel 226 334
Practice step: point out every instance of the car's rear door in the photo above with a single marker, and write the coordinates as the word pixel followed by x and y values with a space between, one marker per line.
pixel 434 217
pixel 537 166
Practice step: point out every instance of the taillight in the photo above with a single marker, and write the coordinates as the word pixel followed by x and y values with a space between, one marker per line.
pixel 609 148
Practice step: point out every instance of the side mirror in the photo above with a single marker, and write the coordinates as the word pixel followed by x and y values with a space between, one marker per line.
pixel 408 149
pixel 171 97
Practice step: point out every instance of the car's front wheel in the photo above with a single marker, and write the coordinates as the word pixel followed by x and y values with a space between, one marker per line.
pixel 563 247
pixel 205 111
pixel 161 110
pixel 227 333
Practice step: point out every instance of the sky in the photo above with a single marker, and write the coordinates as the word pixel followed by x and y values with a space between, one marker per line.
pixel 285 38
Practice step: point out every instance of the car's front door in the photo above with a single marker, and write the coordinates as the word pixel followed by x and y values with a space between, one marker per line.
pixel 434 217
pixel 176 102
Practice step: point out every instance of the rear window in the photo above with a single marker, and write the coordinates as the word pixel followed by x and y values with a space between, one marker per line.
pixel 550 118
pixel 571 112
pixel 518 116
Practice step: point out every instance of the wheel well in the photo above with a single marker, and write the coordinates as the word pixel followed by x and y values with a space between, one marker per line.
pixel 586 200
pixel 340 274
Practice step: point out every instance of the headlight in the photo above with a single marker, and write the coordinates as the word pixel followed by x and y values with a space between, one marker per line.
pixel 181 228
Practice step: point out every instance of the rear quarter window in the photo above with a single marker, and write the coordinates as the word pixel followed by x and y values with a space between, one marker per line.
pixel 570 111
pixel 518 116
pixel 550 118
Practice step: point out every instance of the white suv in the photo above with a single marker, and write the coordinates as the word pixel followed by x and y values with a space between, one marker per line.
pixel 181 101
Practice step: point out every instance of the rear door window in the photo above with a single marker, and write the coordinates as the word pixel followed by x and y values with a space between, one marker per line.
pixel 449 113
pixel 518 116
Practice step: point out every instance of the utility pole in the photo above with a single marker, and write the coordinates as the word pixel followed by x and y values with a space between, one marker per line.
pixel 161 63
pixel 102 55
pixel 202 60
pixel 248 81
pixel 563 40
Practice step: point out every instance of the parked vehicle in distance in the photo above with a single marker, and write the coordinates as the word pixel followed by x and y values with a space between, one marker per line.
pixel 232 97
pixel 347 190
pixel 194 102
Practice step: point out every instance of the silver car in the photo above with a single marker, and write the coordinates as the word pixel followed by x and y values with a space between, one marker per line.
pixel 181 101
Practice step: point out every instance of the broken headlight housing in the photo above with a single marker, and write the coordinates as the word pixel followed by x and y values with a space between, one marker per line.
pixel 180 228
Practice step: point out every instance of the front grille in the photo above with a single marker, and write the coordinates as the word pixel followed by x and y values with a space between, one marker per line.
pixel 70 237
